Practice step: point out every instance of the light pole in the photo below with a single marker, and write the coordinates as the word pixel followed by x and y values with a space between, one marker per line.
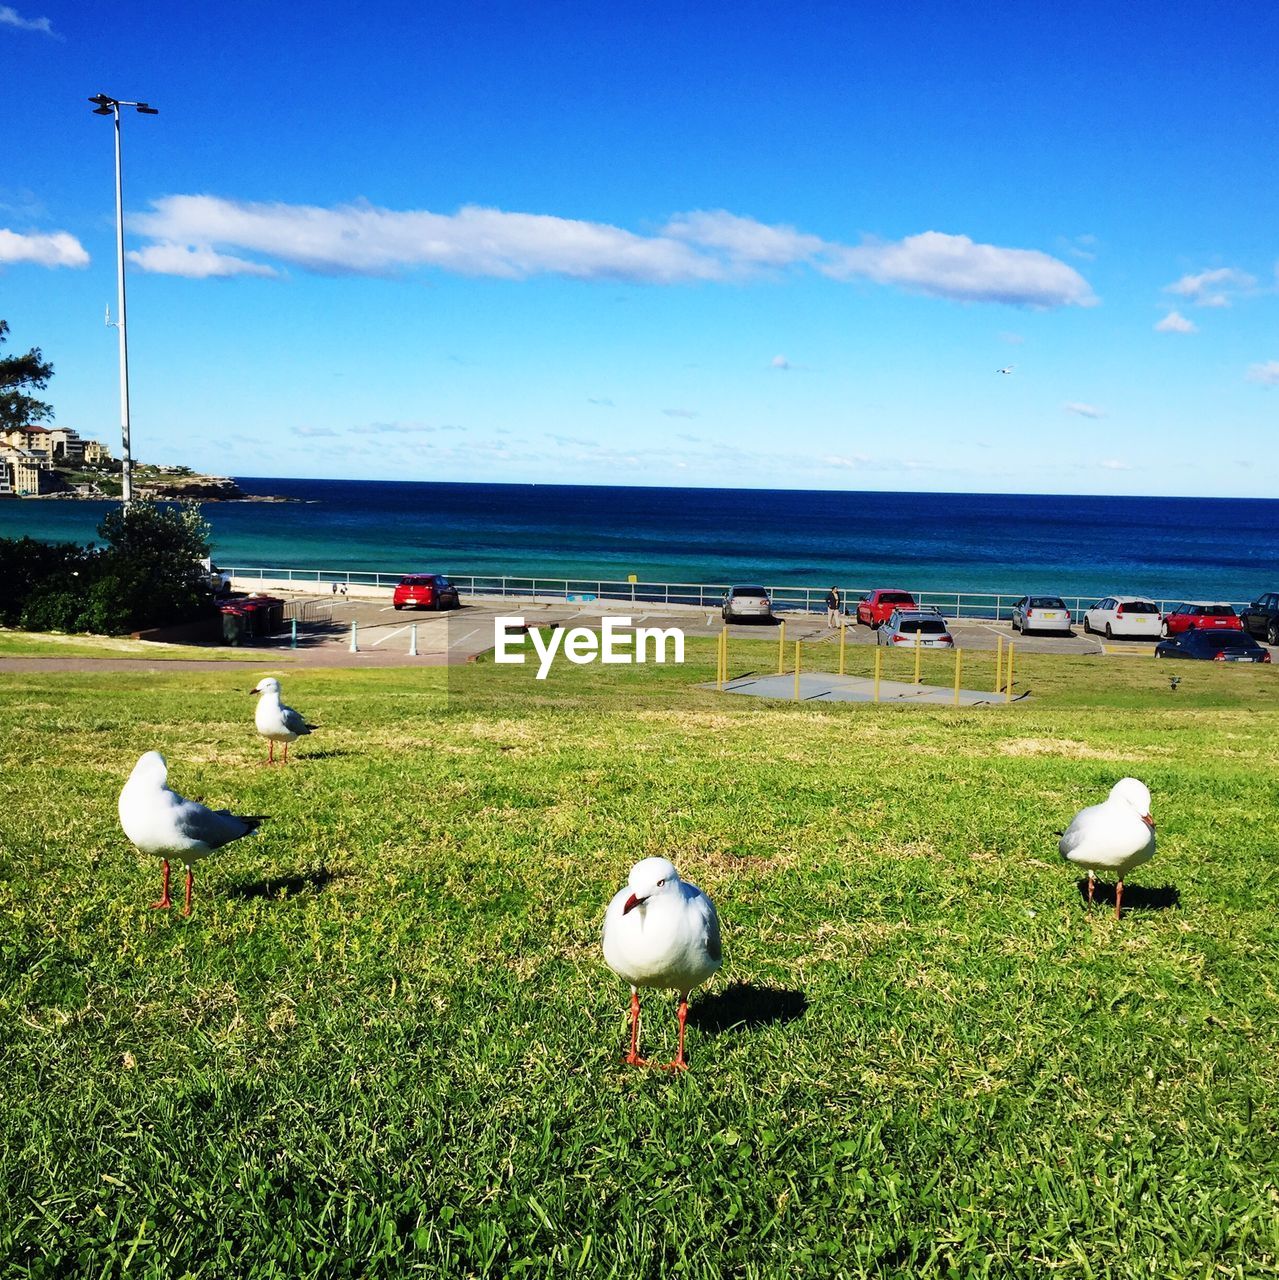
pixel 105 106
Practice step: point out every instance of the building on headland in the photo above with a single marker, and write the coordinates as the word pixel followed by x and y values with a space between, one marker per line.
pixel 28 456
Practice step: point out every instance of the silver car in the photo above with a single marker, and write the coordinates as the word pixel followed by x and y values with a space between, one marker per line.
pixel 910 627
pixel 1041 613
pixel 747 604
pixel 1132 616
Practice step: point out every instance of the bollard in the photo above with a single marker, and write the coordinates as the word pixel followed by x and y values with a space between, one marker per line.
pixel 293 638
pixel 781 648
pixel 1008 689
pixel 796 697
pixel 355 644
pixel 999 665
pixel 919 649
pixel 958 663
pixel 413 641
pixel 879 658
pixel 721 659
pixel 843 631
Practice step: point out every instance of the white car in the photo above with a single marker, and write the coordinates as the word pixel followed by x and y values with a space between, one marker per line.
pixel 1131 616
pixel 1041 613
pixel 916 628
pixel 746 604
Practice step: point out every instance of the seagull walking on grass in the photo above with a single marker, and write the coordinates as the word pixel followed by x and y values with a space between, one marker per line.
pixel 1117 835
pixel 661 932
pixel 158 821
pixel 275 721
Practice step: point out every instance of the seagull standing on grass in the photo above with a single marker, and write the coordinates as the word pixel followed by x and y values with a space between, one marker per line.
pixel 159 821
pixel 1117 835
pixel 275 721
pixel 661 932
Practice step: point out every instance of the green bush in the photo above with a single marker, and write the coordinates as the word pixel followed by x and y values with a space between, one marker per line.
pixel 148 574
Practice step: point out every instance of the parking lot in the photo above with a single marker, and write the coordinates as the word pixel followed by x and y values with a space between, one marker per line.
pixel 385 635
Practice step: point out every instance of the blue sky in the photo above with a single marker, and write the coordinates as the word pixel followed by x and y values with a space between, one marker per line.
pixel 700 244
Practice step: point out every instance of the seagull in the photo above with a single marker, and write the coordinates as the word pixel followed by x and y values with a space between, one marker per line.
pixel 1117 835
pixel 275 721
pixel 1008 368
pixel 159 821
pixel 661 932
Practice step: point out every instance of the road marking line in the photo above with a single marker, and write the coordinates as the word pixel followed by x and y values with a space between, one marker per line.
pixel 389 635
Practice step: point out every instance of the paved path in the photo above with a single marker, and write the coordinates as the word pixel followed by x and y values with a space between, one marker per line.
pixel 819 686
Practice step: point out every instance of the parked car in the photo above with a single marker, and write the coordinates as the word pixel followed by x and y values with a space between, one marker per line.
pixel 216 581
pixel 746 604
pixel 1261 617
pixel 1041 613
pixel 1213 646
pixel 875 609
pixel 923 627
pixel 425 591
pixel 1132 616
pixel 1206 617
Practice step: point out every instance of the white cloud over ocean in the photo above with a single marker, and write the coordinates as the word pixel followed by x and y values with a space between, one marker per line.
pixel 1175 322
pixel 1215 288
pixel 53 249
pixel 1267 373
pixel 203 236
pixel 10 17
pixel 1084 410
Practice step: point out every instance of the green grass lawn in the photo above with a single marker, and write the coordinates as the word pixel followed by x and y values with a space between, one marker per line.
pixel 386 1043
pixel 48 644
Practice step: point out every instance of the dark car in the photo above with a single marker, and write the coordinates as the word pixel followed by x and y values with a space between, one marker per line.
pixel 1210 617
pixel 425 591
pixel 1261 617
pixel 1213 646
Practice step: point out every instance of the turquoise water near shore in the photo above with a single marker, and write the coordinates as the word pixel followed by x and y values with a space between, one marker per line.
pixel 1170 548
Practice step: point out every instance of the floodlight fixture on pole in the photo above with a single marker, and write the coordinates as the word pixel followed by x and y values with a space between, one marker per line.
pixel 106 106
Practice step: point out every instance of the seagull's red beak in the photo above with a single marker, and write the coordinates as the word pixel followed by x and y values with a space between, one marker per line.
pixel 631 902
pixel 1149 821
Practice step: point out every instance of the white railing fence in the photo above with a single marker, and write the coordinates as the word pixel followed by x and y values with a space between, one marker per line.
pixel 992 606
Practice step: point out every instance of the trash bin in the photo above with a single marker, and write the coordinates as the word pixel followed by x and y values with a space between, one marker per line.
pixel 265 615
pixel 233 624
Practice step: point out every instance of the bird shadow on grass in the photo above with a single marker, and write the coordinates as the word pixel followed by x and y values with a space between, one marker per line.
pixel 742 1006
pixel 333 753
pixel 282 886
pixel 1137 897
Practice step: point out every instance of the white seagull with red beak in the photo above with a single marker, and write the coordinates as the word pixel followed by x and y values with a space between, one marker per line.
pixel 1117 835
pixel 274 721
pixel 661 932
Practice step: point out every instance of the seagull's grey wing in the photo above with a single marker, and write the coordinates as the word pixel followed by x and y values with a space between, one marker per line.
pixel 293 722
pixel 710 925
pixel 1075 834
pixel 213 827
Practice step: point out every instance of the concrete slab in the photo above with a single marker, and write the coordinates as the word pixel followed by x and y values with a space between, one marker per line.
pixel 820 686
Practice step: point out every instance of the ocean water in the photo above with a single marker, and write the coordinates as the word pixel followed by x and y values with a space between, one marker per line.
pixel 1169 548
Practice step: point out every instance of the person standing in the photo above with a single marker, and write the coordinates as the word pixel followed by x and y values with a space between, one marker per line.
pixel 833 607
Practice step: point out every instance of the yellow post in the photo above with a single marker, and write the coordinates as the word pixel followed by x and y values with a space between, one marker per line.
pixel 781 647
pixel 1008 689
pixel 958 663
pixel 843 631
pixel 721 659
pixel 796 698
pixel 999 666
pixel 879 658
pixel 919 649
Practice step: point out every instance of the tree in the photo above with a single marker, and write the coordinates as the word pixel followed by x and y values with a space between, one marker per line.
pixel 17 409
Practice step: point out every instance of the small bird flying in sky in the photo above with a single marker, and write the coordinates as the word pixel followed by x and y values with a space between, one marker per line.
pixel 1008 368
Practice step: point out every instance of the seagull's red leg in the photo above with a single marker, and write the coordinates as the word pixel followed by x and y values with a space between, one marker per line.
pixel 270 751
pixel 165 900
pixel 186 906
pixel 633 1058
pixel 286 753
pixel 1119 897
pixel 679 1064
pixel 1092 881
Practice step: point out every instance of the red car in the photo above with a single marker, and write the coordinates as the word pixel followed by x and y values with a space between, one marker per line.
pixel 1201 617
pixel 425 591
pixel 875 609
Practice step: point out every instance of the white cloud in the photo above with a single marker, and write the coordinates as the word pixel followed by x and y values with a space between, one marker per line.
pixel 697 247
pixel 58 249
pixel 779 362
pixel 12 18
pixel 956 267
pixel 196 262
pixel 1213 288
pixel 1175 322
pixel 1267 374
pixel 1084 410
pixel 1113 464
pixel 311 433
pixel 849 462
pixel 397 429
